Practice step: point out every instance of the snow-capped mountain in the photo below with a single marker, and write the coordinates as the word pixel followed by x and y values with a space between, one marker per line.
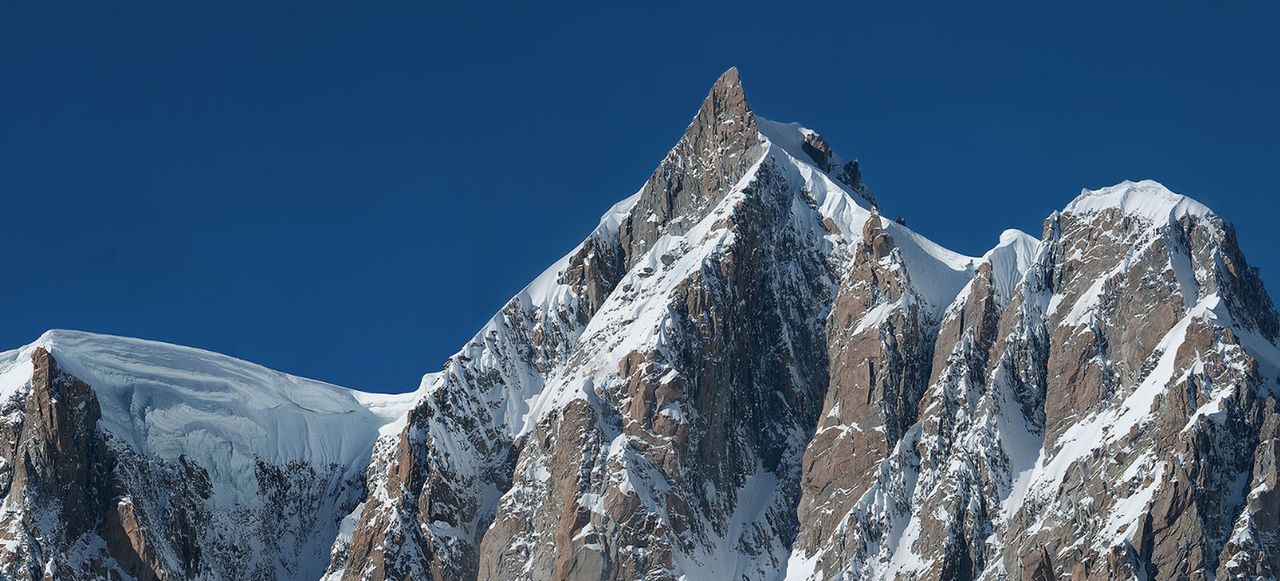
pixel 138 458
pixel 743 372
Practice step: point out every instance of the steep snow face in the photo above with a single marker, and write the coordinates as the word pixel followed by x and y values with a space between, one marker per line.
pixel 1009 260
pixel 937 273
pixel 127 458
pixel 218 411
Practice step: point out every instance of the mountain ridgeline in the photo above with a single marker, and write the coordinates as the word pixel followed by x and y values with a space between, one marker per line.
pixel 743 372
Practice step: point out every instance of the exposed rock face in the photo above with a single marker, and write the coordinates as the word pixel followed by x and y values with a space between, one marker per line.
pixel 720 144
pixel 1152 407
pixel 880 340
pixel 55 469
pixel 1082 427
pixel 744 372
pixel 708 422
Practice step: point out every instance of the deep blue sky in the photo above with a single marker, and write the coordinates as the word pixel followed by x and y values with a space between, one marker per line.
pixel 347 192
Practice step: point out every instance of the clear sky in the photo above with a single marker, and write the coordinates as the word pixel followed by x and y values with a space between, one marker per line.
pixel 348 191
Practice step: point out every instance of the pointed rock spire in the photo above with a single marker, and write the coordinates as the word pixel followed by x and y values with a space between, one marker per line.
pixel 875 241
pixel 726 102
pixel 717 148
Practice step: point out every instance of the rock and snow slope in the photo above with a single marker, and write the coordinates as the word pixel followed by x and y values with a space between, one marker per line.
pixel 743 372
pixel 215 410
pixel 1110 418
pixel 201 465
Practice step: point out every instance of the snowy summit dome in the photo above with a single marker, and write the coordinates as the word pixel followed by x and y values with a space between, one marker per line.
pixel 1147 199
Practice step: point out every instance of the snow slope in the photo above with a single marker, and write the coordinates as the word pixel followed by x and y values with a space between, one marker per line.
pixel 217 410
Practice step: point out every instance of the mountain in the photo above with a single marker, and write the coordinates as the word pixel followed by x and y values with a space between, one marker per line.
pixel 130 457
pixel 743 372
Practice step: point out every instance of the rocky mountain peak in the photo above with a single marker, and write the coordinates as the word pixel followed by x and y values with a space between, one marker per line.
pixel 726 100
pixel 744 371
pixel 717 148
